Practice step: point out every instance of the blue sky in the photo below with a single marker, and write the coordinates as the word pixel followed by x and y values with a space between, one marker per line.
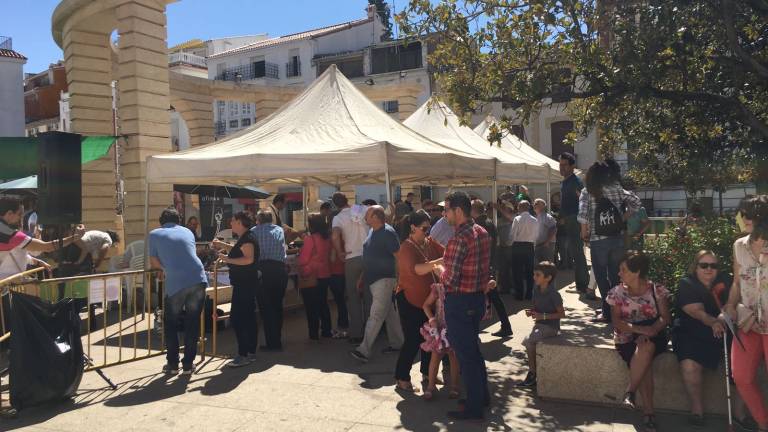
pixel 29 22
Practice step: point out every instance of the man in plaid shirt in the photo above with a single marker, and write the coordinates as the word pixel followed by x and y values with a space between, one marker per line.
pixel 467 261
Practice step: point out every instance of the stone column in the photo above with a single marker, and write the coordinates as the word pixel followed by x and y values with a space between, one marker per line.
pixel 88 62
pixel 144 106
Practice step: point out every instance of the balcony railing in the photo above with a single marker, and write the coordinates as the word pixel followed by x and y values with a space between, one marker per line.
pixel 293 69
pixel 187 58
pixel 220 128
pixel 6 43
pixel 250 71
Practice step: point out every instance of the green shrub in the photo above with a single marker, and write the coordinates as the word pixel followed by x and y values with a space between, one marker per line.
pixel 671 253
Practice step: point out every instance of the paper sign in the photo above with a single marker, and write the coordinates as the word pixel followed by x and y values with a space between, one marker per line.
pixel 97 288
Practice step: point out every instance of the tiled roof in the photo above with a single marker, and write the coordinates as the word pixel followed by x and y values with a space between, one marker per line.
pixel 309 34
pixel 11 54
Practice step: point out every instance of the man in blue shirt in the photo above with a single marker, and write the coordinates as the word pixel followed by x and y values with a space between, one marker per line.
pixel 274 277
pixel 379 275
pixel 172 249
pixel 570 190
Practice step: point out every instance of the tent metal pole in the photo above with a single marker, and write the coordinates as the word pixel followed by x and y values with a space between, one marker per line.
pixel 549 187
pixel 146 223
pixel 387 180
pixel 495 194
pixel 305 198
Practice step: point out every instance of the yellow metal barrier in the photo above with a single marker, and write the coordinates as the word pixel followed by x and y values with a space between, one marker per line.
pixel 120 330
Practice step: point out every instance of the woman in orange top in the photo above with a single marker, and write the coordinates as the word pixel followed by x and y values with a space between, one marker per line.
pixel 414 280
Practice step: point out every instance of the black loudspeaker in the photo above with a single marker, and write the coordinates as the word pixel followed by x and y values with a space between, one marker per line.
pixel 59 179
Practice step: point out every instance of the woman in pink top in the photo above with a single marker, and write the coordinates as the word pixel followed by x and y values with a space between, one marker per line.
pixel 315 261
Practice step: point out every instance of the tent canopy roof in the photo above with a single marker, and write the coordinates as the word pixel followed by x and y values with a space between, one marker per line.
pixel 330 133
pixel 436 120
pixel 512 143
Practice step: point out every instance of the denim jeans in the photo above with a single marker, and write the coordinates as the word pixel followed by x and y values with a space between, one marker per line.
pixel 463 313
pixel 576 251
pixel 189 301
pixel 606 257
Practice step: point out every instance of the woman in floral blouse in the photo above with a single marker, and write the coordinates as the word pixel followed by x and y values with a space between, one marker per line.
pixel 640 315
pixel 748 305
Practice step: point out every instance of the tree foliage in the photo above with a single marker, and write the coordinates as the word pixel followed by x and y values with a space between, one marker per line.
pixel 382 8
pixel 682 84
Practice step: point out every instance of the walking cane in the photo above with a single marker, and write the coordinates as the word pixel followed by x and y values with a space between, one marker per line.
pixel 727 383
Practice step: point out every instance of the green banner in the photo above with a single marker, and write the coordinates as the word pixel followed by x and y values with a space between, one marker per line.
pixel 18 155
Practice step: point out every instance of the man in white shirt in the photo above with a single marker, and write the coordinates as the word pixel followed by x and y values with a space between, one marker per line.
pixel 545 243
pixel 522 238
pixel 349 234
pixel 96 244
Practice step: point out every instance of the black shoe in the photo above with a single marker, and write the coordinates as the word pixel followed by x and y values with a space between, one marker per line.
pixel 390 350
pixel 696 420
pixel 187 369
pixel 463 402
pixel 355 340
pixel 170 369
pixel 747 423
pixel 463 416
pixel 629 400
pixel 357 355
pixel 589 295
pixel 529 381
pixel 503 333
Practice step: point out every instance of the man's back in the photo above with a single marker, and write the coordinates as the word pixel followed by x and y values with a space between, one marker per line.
pixel 378 254
pixel 174 246
pixel 353 231
pixel 271 242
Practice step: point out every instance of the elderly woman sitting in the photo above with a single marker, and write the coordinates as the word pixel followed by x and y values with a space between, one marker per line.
pixel 697 339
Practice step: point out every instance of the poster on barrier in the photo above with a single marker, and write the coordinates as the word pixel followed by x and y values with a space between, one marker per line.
pixel 96 289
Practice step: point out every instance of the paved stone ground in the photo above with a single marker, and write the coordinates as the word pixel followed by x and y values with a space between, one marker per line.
pixel 318 386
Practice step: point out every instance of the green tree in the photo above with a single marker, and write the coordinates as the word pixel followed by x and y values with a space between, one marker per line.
pixel 682 84
pixel 382 8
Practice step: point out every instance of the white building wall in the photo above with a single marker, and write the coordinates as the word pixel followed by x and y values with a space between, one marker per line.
pixel 11 97
pixel 215 46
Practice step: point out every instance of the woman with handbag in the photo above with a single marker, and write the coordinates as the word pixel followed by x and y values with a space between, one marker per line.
pixel 748 303
pixel 640 316
pixel 315 277
pixel 242 260
pixel 697 339
pixel 413 287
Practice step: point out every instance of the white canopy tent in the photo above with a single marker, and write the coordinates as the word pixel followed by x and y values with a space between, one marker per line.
pixel 331 133
pixel 436 120
pixel 514 144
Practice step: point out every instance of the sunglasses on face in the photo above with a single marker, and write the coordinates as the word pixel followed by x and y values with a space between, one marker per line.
pixel 704 266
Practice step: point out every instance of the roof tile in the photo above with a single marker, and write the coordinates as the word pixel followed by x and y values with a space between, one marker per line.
pixel 11 54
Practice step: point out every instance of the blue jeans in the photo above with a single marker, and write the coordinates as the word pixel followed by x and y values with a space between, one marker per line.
pixel 606 257
pixel 575 247
pixel 463 313
pixel 189 301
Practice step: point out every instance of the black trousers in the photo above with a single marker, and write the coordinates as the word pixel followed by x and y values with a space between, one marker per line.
pixel 522 257
pixel 412 319
pixel 504 265
pixel 337 285
pixel 501 309
pixel 269 296
pixel 243 317
pixel 316 307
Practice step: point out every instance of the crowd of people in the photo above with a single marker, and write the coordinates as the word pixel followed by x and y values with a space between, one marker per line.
pixel 429 276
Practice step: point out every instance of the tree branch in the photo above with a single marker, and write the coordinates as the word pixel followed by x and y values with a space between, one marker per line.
pixel 733 41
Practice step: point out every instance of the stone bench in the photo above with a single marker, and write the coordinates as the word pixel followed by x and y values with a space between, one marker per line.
pixel 582 365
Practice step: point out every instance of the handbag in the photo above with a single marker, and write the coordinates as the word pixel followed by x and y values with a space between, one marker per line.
pixel 307 275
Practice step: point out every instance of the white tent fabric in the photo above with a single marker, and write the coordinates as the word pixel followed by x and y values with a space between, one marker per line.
pixel 330 133
pixel 511 142
pixel 435 120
